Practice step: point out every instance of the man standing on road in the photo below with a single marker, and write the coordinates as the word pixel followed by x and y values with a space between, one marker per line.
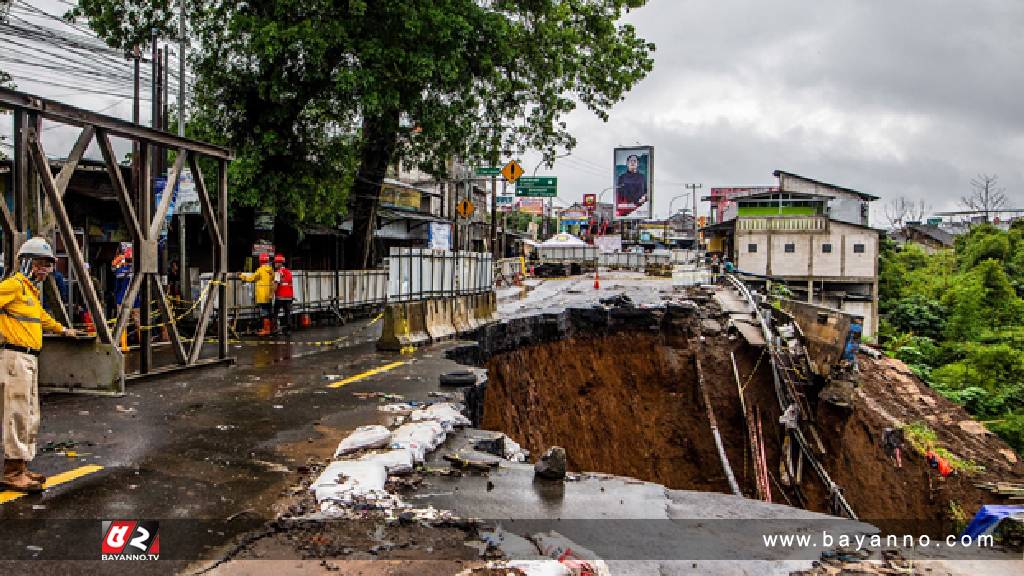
pixel 283 294
pixel 263 277
pixel 22 321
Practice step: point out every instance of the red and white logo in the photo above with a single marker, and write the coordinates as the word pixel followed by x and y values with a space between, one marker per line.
pixel 130 540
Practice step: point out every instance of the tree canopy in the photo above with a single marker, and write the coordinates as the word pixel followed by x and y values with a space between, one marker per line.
pixel 319 97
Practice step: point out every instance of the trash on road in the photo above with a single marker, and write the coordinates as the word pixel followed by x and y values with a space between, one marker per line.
pixel 362 438
pixel 577 559
pixel 400 408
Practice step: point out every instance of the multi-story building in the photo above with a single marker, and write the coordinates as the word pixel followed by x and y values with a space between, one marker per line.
pixel 812 236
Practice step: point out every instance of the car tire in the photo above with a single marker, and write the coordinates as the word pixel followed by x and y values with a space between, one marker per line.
pixel 458 378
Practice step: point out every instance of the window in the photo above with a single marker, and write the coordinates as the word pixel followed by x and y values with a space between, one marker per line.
pixel 822 318
pixel 858 248
pixel 826 248
pixel 790 248
pixel 751 248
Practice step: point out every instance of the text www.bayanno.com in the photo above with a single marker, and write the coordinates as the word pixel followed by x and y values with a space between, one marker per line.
pixel 862 541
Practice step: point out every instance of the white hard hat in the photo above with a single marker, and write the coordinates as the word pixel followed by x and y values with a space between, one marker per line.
pixel 36 248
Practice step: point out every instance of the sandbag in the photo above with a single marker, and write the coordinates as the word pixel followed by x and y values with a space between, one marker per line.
pixel 418 437
pixel 445 413
pixel 346 481
pixel 363 438
pixel 396 462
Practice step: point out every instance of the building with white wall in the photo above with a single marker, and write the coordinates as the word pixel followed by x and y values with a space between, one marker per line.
pixel 811 236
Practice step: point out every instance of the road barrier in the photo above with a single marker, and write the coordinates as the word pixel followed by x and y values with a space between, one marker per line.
pixel 567 254
pixel 418 274
pixel 315 291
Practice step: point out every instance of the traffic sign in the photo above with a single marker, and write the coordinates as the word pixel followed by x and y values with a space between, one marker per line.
pixel 537 186
pixel 512 171
pixel 465 208
pixel 488 171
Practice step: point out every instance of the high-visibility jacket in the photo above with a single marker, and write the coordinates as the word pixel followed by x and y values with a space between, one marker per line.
pixel 22 318
pixel 264 279
pixel 283 278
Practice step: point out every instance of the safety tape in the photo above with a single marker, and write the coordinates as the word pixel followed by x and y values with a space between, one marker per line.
pixel 175 320
pixel 333 342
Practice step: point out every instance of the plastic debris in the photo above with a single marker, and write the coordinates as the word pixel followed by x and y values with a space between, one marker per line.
pixel 514 452
pixel 540 567
pixel 404 407
pixel 445 413
pixel 418 437
pixel 362 438
pixel 577 559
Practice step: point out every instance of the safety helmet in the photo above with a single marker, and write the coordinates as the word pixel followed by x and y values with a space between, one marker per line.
pixel 279 259
pixel 264 258
pixel 36 248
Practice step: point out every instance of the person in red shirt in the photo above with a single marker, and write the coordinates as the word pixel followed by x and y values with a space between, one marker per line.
pixel 283 293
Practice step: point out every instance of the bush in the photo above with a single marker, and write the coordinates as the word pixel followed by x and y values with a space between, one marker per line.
pixel 1011 429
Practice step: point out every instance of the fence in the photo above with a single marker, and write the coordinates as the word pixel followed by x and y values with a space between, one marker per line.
pixel 418 274
pixel 315 291
pixel 567 253
pixel 508 269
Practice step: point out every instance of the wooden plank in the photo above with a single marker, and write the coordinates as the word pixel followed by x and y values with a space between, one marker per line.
pixel 64 223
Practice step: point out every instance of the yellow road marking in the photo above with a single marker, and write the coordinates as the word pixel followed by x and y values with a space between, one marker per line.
pixel 8 495
pixel 367 374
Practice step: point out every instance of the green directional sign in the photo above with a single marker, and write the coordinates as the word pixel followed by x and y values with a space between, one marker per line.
pixel 537 186
pixel 488 171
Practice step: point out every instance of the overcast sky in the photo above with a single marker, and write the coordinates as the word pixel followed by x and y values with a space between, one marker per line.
pixel 910 98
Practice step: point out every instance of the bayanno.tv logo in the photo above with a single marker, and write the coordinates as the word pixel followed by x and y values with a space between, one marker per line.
pixel 130 540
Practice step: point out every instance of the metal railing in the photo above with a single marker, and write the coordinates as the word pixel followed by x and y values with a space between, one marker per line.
pixel 314 291
pixel 782 224
pixel 418 274
pixel 567 253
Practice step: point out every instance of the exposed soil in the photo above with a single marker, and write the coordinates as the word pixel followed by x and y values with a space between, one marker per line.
pixel 627 404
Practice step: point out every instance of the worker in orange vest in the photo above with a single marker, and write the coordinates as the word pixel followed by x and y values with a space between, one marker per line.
pixel 263 277
pixel 283 293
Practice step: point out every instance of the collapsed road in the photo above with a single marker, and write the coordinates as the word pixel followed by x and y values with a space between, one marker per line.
pixel 628 388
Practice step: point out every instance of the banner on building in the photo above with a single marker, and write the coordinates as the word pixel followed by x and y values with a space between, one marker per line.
pixel 531 205
pixel 590 201
pixel 439 236
pixel 633 182
pixel 188 198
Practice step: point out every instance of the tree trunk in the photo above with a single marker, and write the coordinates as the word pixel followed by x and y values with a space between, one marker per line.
pixel 380 134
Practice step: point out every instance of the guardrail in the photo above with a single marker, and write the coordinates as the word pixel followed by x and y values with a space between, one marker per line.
pixel 567 253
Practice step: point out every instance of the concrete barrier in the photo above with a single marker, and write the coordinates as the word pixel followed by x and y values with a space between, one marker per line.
pixel 439 314
pixel 403 325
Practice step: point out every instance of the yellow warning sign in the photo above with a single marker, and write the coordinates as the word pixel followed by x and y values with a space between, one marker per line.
pixel 512 171
pixel 465 208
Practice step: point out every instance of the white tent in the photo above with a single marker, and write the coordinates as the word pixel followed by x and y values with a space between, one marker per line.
pixel 563 240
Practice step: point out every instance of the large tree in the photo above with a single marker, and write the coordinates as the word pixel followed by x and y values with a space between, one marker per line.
pixel 287 82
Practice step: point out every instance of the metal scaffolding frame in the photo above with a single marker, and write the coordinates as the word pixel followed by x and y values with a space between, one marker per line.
pixel 32 172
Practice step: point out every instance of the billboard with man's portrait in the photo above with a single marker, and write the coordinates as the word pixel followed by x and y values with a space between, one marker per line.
pixel 633 182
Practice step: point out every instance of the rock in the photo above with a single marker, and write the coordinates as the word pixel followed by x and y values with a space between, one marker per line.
pixel 1009 455
pixel 551 465
pixel 710 327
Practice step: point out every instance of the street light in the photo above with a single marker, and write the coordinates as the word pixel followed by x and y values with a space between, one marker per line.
pixel 670 203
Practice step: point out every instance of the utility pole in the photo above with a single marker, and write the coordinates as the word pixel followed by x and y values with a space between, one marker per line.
pixel 693 190
pixel 184 282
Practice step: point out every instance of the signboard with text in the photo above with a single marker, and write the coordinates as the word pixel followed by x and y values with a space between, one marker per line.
pixel 531 205
pixel 537 187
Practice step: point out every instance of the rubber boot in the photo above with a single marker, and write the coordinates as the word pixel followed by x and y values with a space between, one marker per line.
pixel 16 477
pixel 266 328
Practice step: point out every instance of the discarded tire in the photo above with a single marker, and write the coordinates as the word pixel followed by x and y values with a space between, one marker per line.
pixel 458 378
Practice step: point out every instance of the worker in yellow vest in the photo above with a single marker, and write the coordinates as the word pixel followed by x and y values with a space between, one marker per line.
pixel 22 321
pixel 263 277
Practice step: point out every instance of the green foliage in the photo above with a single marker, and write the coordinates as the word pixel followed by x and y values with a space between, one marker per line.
pixel 319 97
pixel 956 318
pixel 922 439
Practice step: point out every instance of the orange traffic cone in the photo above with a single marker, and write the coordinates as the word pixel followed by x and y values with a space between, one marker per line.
pixel 597 279
pixel 305 321
pixel 124 340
